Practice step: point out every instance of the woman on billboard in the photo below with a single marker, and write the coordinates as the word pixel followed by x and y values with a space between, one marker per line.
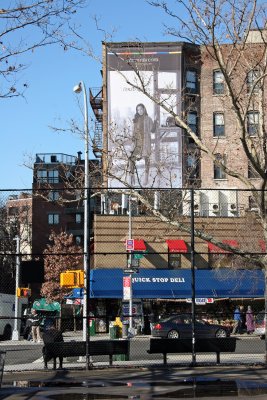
pixel 143 126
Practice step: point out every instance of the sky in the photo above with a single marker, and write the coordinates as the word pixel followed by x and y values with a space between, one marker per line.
pixel 51 75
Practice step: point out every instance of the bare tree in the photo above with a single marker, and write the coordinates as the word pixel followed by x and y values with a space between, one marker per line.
pixel 223 32
pixel 27 26
pixel 231 37
pixel 15 220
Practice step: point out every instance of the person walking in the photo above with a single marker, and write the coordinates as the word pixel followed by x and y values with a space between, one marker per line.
pixel 35 324
pixel 243 319
pixel 250 321
pixel 237 321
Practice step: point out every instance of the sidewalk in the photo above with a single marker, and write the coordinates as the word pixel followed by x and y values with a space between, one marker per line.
pixel 126 379
pixel 138 383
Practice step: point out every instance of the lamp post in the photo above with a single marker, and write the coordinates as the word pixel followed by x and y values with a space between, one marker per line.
pixel 86 257
pixel 15 333
pixel 130 267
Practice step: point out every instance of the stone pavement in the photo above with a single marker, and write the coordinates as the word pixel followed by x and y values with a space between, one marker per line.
pixel 206 382
pixel 131 381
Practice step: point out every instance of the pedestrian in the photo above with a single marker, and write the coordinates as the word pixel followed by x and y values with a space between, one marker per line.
pixel 34 320
pixel 54 336
pixel 237 321
pixel 250 323
pixel 243 319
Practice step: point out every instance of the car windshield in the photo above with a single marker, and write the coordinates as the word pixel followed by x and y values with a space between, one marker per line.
pixel 182 319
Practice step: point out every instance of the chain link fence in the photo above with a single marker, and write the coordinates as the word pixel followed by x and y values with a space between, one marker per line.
pixel 196 255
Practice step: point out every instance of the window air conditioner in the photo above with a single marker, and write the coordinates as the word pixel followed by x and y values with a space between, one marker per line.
pixel 233 208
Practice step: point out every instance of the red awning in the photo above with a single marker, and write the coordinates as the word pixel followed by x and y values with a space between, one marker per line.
pixel 215 249
pixel 177 246
pixel 139 245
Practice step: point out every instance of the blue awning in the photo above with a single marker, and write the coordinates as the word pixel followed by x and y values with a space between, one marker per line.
pixel 176 284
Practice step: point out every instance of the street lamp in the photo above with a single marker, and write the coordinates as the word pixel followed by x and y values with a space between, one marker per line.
pixel 130 267
pixel 86 258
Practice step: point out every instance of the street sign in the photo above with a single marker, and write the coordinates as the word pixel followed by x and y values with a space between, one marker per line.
pixel 130 244
pixel 210 300
pixel 127 287
pixel 201 301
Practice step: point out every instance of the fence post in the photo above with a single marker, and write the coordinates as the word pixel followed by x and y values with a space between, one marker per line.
pixel 193 286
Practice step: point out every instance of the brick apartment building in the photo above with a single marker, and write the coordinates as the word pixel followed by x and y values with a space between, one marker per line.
pixel 198 94
pixel 19 215
pixel 56 206
pixel 187 76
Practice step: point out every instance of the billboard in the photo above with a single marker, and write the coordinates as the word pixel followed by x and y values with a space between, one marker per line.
pixel 144 144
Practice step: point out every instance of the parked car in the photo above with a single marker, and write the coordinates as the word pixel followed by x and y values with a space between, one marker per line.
pixel 260 324
pixel 180 326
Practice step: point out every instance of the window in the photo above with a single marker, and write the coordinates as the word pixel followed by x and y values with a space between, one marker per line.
pixel 53 219
pixel 252 76
pixel 252 173
pixel 252 123
pixel 78 218
pixel 174 260
pixel 218 124
pixel 191 81
pixel 218 82
pixel 192 166
pixel 218 170
pixel 78 240
pixel 192 121
pixel 53 176
pixel 42 175
pixel 53 196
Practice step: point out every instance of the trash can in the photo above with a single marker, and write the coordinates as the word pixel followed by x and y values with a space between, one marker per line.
pixel 125 329
pixel 2 364
pixel 112 331
pixel 120 357
pixel 92 327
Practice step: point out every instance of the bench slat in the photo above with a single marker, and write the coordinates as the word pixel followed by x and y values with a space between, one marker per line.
pixel 202 345
pixel 95 348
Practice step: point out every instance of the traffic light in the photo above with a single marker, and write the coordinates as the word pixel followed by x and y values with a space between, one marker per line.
pixel 24 292
pixel 72 279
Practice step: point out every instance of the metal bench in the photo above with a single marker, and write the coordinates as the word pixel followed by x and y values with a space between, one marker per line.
pixel 203 345
pixel 76 349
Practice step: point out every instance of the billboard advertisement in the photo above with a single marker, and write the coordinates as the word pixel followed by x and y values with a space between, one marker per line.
pixel 144 144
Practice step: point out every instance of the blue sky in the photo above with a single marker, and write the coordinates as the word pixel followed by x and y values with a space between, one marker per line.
pixel 51 75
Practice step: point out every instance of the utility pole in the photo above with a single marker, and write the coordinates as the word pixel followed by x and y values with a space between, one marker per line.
pixel 193 283
pixel 130 267
pixel 16 333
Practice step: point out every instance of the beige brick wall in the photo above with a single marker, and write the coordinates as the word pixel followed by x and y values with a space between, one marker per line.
pixel 112 231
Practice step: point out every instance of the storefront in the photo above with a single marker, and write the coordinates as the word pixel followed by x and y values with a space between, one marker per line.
pixel 177 284
pixel 164 292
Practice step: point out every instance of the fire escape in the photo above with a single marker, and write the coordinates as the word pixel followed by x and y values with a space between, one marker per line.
pixel 96 101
